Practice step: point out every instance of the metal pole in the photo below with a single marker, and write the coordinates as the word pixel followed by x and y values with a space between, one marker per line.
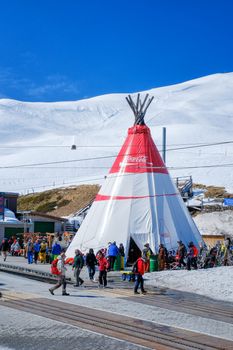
pixel 24 223
pixel 2 206
pixel 164 145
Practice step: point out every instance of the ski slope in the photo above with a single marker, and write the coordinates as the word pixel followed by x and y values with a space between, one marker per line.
pixel 36 138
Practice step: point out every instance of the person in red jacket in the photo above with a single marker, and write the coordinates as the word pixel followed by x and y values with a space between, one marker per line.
pixel 192 256
pixel 139 269
pixel 103 267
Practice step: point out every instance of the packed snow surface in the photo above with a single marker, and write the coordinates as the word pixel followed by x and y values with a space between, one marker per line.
pixel 215 223
pixel 216 283
pixel 36 138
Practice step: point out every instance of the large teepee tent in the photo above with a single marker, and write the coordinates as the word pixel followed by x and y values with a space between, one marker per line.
pixel 138 199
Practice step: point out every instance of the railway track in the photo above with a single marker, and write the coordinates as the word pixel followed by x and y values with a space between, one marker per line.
pixel 173 300
pixel 215 310
pixel 136 331
pixel 164 298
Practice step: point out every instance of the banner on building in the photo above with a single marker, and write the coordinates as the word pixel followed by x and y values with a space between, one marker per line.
pixel 228 201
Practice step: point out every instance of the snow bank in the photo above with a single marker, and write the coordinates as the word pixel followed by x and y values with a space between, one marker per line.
pixel 215 223
pixel 216 283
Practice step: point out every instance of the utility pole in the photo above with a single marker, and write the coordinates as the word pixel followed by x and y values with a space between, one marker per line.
pixel 164 145
pixel 2 205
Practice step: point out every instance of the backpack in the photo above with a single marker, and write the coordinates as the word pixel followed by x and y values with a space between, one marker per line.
pixel 54 269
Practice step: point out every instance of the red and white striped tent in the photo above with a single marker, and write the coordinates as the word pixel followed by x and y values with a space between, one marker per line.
pixel 138 199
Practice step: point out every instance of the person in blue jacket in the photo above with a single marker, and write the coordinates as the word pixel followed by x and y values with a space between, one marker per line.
pixel 56 250
pixel 36 250
pixel 113 251
pixel 30 251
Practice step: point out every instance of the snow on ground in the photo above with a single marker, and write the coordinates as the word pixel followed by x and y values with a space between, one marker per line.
pixel 196 112
pixel 216 283
pixel 215 223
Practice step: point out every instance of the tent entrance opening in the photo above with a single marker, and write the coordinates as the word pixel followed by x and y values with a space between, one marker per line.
pixel 134 252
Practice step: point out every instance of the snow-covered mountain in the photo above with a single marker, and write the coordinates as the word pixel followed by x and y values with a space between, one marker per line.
pixel 197 112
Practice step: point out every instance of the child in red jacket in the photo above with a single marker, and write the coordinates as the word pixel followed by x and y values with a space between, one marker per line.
pixel 103 267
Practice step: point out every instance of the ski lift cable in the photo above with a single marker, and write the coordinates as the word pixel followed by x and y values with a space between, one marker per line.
pixel 103 157
pixel 187 145
pixel 102 177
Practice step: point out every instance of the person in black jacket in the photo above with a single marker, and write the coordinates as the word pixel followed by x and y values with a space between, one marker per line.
pixel 181 253
pixel 121 250
pixel 91 262
pixel 77 266
pixel 5 248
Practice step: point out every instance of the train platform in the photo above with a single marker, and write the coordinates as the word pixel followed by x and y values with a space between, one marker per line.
pixel 169 318
pixel 19 265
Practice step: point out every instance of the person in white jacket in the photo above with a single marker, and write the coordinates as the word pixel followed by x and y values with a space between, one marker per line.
pixel 62 275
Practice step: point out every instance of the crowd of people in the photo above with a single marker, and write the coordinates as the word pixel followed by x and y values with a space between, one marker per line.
pixel 34 248
pixel 221 254
pixel 31 250
pixel 104 260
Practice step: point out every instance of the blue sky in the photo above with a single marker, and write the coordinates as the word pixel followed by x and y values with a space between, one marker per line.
pixel 53 50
